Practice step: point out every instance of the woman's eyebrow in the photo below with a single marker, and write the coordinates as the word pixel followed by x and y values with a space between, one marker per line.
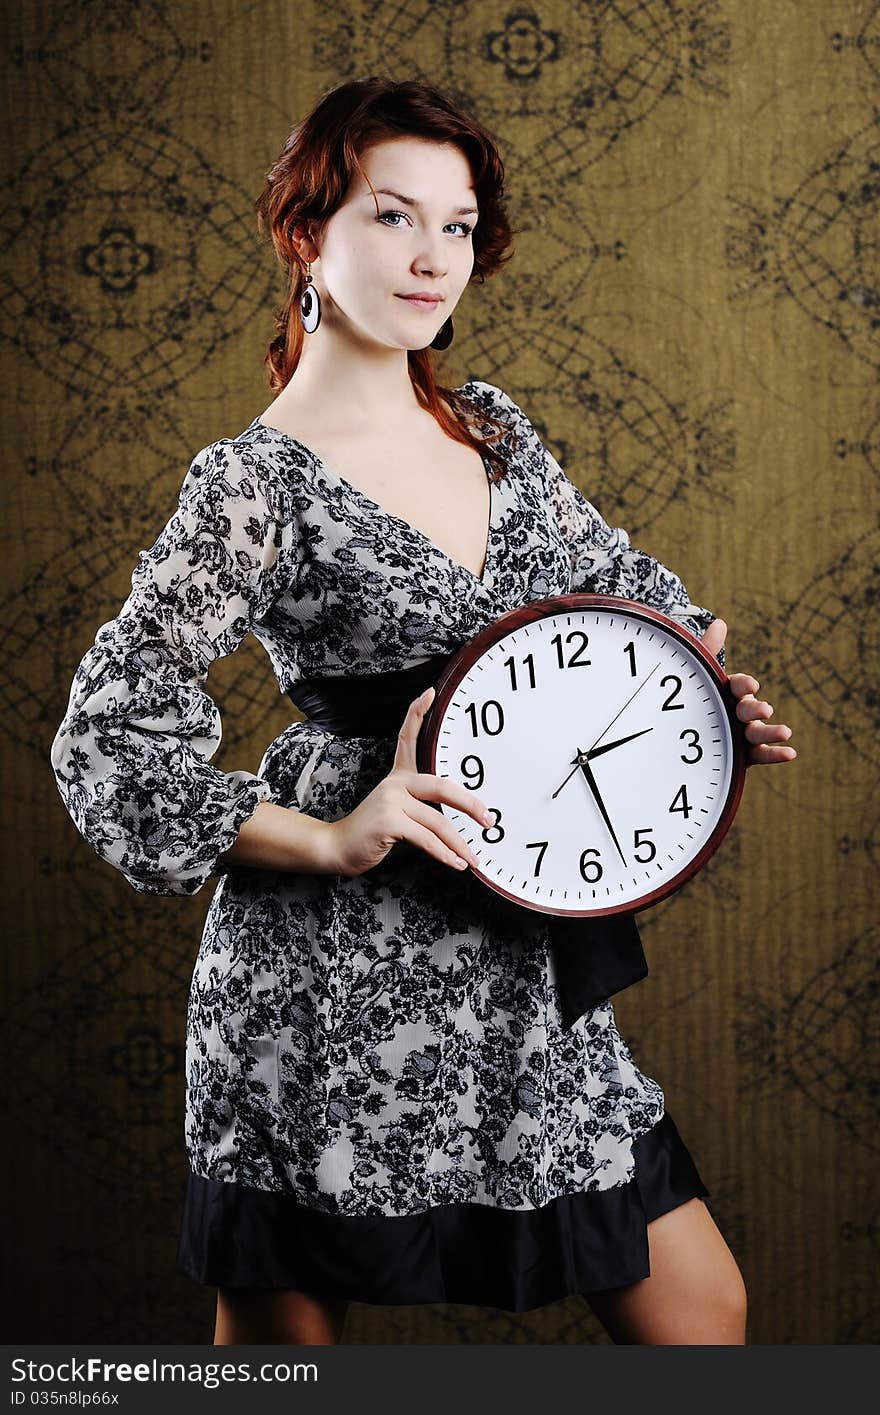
pixel 411 201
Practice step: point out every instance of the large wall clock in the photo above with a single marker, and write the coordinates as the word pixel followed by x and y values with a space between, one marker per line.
pixel 604 739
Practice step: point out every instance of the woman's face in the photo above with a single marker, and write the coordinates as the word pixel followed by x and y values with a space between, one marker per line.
pixel 370 259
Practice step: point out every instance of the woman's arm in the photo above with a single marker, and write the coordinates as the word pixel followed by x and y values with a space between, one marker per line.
pixel 603 559
pixel 280 838
pixel 131 757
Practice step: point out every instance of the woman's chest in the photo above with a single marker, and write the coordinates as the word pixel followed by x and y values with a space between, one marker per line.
pixel 372 585
pixel 436 486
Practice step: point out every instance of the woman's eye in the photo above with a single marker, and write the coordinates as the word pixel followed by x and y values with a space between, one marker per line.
pixel 463 224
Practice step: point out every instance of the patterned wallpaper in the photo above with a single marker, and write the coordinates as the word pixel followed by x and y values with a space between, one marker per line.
pixel 691 322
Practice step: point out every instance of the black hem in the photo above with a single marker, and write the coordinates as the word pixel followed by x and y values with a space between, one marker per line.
pixel 468 1253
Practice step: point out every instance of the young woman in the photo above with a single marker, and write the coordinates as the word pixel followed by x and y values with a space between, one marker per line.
pixel 385 1101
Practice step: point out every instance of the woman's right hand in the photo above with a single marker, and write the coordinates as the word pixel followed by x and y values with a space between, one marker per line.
pixel 395 809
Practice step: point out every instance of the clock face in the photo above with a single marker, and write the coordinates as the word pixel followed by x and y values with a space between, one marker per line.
pixel 600 739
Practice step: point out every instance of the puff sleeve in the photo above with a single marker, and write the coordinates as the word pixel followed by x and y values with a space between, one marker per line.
pixel 131 757
pixel 603 560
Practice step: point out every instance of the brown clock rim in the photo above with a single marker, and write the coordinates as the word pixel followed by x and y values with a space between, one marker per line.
pixel 464 659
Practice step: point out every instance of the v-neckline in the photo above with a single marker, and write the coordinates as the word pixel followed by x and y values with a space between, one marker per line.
pixel 391 515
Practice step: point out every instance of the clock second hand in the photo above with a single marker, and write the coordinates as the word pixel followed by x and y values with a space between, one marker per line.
pixel 627 703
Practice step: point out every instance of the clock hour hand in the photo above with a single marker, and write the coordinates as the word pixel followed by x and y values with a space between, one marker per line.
pixel 591 782
pixel 609 746
pixel 597 752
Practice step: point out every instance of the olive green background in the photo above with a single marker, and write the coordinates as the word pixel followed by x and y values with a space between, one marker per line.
pixel 691 320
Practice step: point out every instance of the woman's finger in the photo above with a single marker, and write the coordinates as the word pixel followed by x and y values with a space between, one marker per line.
pixel 436 821
pixel 749 708
pixel 429 840
pixel 427 786
pixel 714 636
pixel 768 732
pixel 742 683
pixel 766 755
pixel 405 753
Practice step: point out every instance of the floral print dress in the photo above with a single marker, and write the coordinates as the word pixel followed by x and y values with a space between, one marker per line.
pixel 382 1101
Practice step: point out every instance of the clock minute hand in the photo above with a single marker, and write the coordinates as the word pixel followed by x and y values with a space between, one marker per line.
pixel 591 782
pixel 609 746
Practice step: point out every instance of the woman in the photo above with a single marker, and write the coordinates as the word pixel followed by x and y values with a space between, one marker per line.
pixel 385 1100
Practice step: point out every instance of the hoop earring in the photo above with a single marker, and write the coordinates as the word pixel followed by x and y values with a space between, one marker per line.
pixel 310 305
pixel 444 336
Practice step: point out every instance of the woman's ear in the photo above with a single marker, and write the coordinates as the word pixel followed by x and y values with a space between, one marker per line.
pixel 303 241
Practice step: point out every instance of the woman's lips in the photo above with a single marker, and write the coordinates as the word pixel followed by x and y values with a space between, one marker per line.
pixel 419 303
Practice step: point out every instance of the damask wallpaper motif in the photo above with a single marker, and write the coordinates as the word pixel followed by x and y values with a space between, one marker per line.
pixel 691 322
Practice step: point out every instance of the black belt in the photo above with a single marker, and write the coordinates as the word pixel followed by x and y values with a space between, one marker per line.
pixel 594 958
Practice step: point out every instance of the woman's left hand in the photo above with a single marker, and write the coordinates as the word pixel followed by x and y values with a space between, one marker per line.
pixel 760 732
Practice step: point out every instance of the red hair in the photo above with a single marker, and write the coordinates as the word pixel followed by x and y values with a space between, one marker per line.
pixel 309 180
